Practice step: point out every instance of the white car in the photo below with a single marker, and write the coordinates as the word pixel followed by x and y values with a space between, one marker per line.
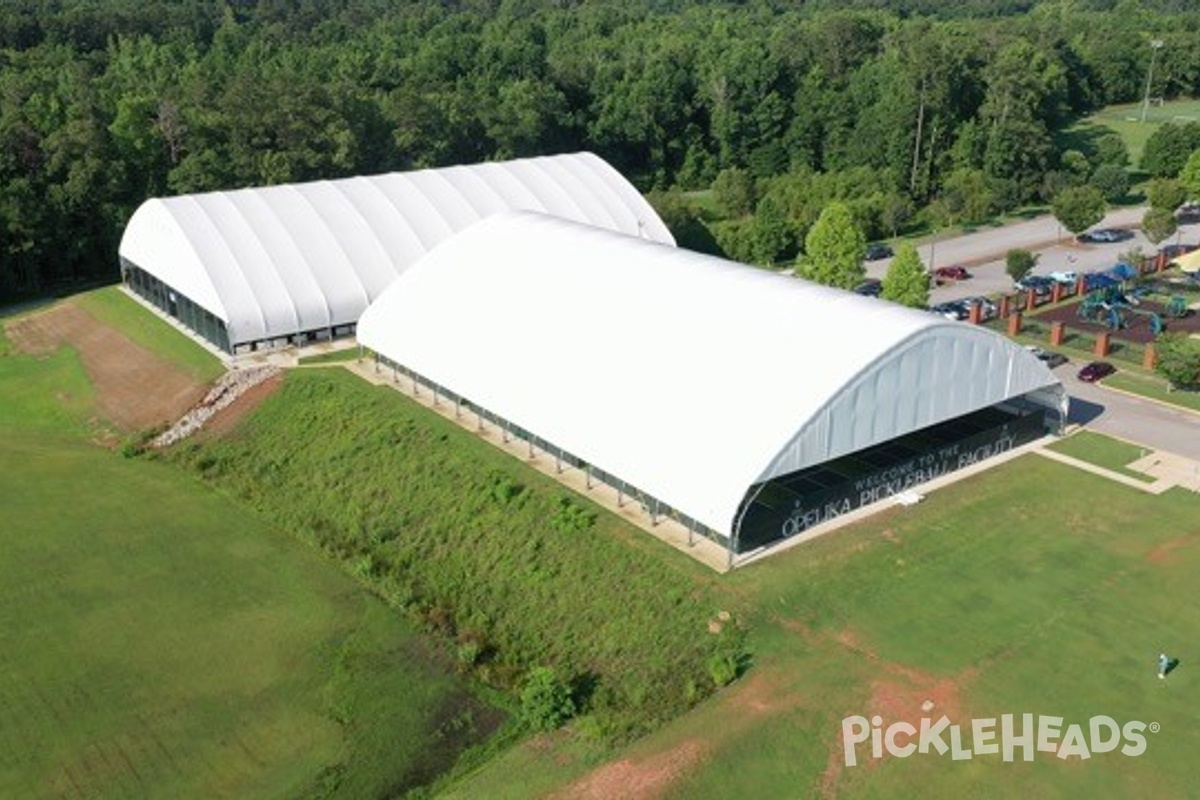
pixel 1066 276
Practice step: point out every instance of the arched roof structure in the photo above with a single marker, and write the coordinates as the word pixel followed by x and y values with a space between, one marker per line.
pixel 274 261
pixel 690 377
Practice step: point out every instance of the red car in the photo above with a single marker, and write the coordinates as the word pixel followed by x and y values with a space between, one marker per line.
pixel 1095 371
pixel 951 273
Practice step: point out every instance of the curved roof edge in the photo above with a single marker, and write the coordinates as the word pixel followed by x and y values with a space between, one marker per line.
pixel 935 359
pixel 686 375
pixel 273 261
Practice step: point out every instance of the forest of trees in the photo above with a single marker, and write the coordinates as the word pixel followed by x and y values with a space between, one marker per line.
pixel 935 109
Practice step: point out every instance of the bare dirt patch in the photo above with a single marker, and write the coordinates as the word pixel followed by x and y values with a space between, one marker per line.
pixel 1165 552
pixel 228 418
pixel 636 779
pixel 135 389
pixel 899 694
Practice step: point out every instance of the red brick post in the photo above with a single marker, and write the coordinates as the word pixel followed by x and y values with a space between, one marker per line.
pixel 1058 331
pixel 1162 262
pixel 1056 292
pixel 1102 343
pixel 1004 307
pixel 1030 300
pixel 1014 323
pixel 1149 357
pixel 975 313
pixel 1080 285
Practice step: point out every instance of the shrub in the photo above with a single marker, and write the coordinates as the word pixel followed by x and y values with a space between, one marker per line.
pixel 546 701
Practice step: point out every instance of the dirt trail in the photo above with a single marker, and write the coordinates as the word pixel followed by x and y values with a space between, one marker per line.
pixel 135 389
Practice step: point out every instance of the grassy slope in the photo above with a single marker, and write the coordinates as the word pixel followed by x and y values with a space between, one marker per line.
pixel 159 641
pixel 113 307
pixel 1032 588
pixel 485 550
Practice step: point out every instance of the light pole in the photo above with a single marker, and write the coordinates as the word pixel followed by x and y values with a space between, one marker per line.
pixel 1155 46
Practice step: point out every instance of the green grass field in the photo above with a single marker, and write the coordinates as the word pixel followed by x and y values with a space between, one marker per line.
pixel 1103 451
pixel 162 641
pixel 1033 587
pixel 1126 121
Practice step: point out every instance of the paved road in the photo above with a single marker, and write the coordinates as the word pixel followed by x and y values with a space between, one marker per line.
pixel 1132 418
pixel 1127 417
pixel 983 252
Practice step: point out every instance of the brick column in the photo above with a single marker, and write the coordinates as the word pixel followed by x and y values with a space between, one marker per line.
pixel 1162 262
pixel 1004 307
pixel 1102 343
pixel 1056 292
pixel 1058 331
pixel 1030 300
pixel 1149 357
pixel 1014 323
pixel 975 313
pixel 1080 285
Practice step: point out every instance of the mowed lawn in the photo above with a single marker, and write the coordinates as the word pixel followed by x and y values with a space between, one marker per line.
pixel 157 640
pixel 1031 588
pixel 1126 121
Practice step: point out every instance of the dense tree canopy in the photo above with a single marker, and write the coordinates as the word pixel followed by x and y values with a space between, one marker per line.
pixel 104 103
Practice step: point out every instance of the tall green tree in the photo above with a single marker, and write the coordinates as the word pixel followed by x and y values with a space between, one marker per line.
pixel 1158 224
pixel 1178 359
pixel 1111 180
pixel 834 249
pixel 1189 176
pixel 1018 263
pixel 1169 148
pixel 1166 193
pixel 1079 208
pixel 907 280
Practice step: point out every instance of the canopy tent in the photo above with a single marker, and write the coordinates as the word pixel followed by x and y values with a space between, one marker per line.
pixel 1188 262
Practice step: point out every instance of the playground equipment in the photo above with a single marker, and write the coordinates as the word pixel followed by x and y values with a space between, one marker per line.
pixel 1103 307
pixel 1176 307
pixel 1156 323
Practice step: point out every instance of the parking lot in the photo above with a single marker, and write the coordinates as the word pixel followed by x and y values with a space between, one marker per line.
pixel 982 252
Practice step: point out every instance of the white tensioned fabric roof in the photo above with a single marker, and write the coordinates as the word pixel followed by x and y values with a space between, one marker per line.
pixel 688 376
pixel 279 260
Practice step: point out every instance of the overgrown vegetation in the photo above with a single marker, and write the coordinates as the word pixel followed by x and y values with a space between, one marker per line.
pixel 513 570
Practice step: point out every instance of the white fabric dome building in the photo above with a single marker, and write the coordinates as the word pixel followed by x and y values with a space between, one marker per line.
pixel 267 266
pixel 733 399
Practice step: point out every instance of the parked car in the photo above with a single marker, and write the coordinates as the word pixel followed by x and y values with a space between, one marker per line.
pixel 1051 358
pixel 1104 236
pixel 953 310
pixel 871 287
pixel 987 309
pixel 1067 277
pixel 1038 284
pixel 955 273
pixel 1095 371
pixel 877 251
